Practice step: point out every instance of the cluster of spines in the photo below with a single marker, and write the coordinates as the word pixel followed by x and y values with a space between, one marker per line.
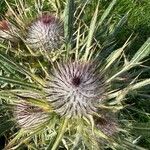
pixel 76 88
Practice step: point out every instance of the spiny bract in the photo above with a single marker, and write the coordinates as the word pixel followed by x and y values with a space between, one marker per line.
pixel 75 88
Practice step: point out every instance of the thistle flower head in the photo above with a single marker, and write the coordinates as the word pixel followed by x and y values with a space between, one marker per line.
pixel 75 89
pixel 8 31
pixel 29 116
pixel 46 32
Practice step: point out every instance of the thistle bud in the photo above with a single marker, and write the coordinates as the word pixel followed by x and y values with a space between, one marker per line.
pixel 46 32
pixel 29 116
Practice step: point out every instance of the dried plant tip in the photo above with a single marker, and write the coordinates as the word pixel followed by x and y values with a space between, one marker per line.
pixel 4 25
pixel 75 89
pixel 29 116
pixel 8 31
pixel 45 33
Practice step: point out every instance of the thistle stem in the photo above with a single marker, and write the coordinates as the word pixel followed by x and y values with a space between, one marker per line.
pixel 61 132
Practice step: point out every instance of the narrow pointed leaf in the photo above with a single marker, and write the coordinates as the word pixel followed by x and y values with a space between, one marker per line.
pixel 91 32
pixel 68 22
pixel 17 82
pixel 107 11
pixel 14 66
pixel 142 52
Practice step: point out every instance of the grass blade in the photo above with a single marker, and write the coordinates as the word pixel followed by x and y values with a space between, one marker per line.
pixel 91 33
pixel 4 60
pixel 68 22
pixel 61 131
pixel 115 55
pixel 142 52
pixel 107 11
pixel 18 82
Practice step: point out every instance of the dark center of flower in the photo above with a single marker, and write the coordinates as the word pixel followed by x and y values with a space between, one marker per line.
pixel 76 81
pixel 47 19
pixel 33 109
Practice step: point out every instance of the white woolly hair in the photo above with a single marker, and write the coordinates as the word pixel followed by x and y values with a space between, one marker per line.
pixel 75 88
pixel 46 32
pixel 29 116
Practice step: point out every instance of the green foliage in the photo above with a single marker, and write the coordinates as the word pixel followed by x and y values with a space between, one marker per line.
pixel 91 31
